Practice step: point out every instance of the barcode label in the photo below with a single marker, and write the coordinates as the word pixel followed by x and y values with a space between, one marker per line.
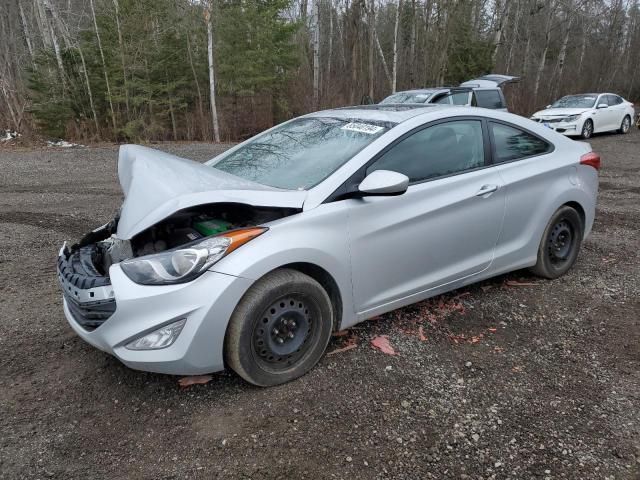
pixel 362 128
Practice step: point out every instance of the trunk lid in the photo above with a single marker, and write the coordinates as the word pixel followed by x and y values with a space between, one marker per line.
pixel 490 81
pixel 157 184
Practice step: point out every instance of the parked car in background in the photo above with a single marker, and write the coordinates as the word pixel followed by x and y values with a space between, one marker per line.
pixel 585 114
pixel 485 91
pixel 254 258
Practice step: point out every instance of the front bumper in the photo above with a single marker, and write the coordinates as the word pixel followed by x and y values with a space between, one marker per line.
pixel 207 303
pixel 565 128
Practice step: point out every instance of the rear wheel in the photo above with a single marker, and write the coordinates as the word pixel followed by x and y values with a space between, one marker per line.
pixel 587 129
pixel 625 126
pixel 280 328
pixel 560 244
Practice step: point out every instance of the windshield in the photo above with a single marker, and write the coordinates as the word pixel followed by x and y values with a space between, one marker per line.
pixel 576 101
pixel 302 153
pixel 408 97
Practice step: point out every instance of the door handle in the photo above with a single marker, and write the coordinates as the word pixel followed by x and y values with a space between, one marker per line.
pixel 486 189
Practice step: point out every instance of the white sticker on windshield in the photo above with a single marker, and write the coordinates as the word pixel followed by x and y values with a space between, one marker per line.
pixel 362 128
pixel 422 96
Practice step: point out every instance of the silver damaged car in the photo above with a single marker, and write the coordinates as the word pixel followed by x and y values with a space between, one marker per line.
pixel 254 258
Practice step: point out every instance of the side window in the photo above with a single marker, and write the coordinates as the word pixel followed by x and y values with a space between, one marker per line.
pixel 511 143
pixel 489 99
pixel 442 149
pixel 614 100
pixel 460 98
pixel 603 99
pixel 444 99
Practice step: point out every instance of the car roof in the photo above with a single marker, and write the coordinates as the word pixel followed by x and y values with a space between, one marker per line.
pixel 423 90
pixel 386 112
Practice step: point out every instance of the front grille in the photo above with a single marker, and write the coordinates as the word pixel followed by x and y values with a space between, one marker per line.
pixel 88 293
pixel 90 315
pixel 551 120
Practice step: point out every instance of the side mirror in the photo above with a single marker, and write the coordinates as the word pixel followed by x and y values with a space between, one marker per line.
pixel 384 182
pixel 548 106
pixel 602 105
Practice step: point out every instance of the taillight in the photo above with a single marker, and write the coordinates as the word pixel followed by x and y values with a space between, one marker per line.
pixel 592 159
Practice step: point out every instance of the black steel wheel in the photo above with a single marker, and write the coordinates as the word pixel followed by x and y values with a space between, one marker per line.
pixel 587 129
pixel 560 243
pixel 286 327
pixel 280 328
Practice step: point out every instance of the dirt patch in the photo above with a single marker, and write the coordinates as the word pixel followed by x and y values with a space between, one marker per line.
pixel 514 377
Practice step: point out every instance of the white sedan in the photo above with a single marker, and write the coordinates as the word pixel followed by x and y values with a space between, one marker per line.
pixel 586 114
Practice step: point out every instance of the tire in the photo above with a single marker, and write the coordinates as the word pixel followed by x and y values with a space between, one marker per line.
pixel 280 328
pixel 560 244
pixel 587 129
pixel 625 126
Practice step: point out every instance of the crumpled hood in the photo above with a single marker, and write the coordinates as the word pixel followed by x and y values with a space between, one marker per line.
pixel 559 112
pixel 157 184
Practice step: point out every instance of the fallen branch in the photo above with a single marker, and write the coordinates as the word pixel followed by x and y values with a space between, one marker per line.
pixel 343 349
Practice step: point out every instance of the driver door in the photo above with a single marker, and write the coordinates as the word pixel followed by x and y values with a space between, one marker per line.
pixel 442 229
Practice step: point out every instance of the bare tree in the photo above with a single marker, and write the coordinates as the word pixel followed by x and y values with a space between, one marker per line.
pixel 104 66
pixel 316 53
pixel 212 76
pixel 394 82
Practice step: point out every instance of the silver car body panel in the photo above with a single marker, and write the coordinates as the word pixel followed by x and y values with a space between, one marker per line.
pixel 158 184
pixel 382 252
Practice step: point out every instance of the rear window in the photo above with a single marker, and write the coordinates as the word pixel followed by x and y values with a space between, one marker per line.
pixel 511 143
pixel 489 99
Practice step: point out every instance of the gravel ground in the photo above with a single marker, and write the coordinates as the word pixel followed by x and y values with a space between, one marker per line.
pixel 498 380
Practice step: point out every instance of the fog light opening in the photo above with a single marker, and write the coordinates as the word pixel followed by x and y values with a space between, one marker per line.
pixel 163 337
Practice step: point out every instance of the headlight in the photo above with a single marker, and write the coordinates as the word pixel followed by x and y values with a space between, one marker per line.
pixel 185 263
pixel 572 118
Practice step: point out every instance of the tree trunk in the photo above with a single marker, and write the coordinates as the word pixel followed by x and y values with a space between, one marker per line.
pixel 122 61
pixel 501 25
pixel 89 92
pixel 104 67
pixel 384 62
pixel 41 20
pixel 561 58
pixel 54 41
pixel 514 37
pixel 330 52
pixel 212 82
pixel 198 91
pixel 412 46
pixel 394 81
pixel 372 31
pixel 316 54
pixel 543 56
pixel 25 29
pixel 355 43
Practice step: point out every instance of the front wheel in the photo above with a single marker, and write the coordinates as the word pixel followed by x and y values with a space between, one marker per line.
pixel 625 126
pixel 560 244
pixel 280 328
pixel 587 129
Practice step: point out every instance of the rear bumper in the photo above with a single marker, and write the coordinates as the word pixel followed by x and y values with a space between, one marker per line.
pixel 206 303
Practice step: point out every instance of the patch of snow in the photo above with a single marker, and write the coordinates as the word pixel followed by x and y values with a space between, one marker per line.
pixel 9 135
pixel 63 144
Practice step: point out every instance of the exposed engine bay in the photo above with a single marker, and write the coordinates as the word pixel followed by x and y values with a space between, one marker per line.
pixel 179 229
